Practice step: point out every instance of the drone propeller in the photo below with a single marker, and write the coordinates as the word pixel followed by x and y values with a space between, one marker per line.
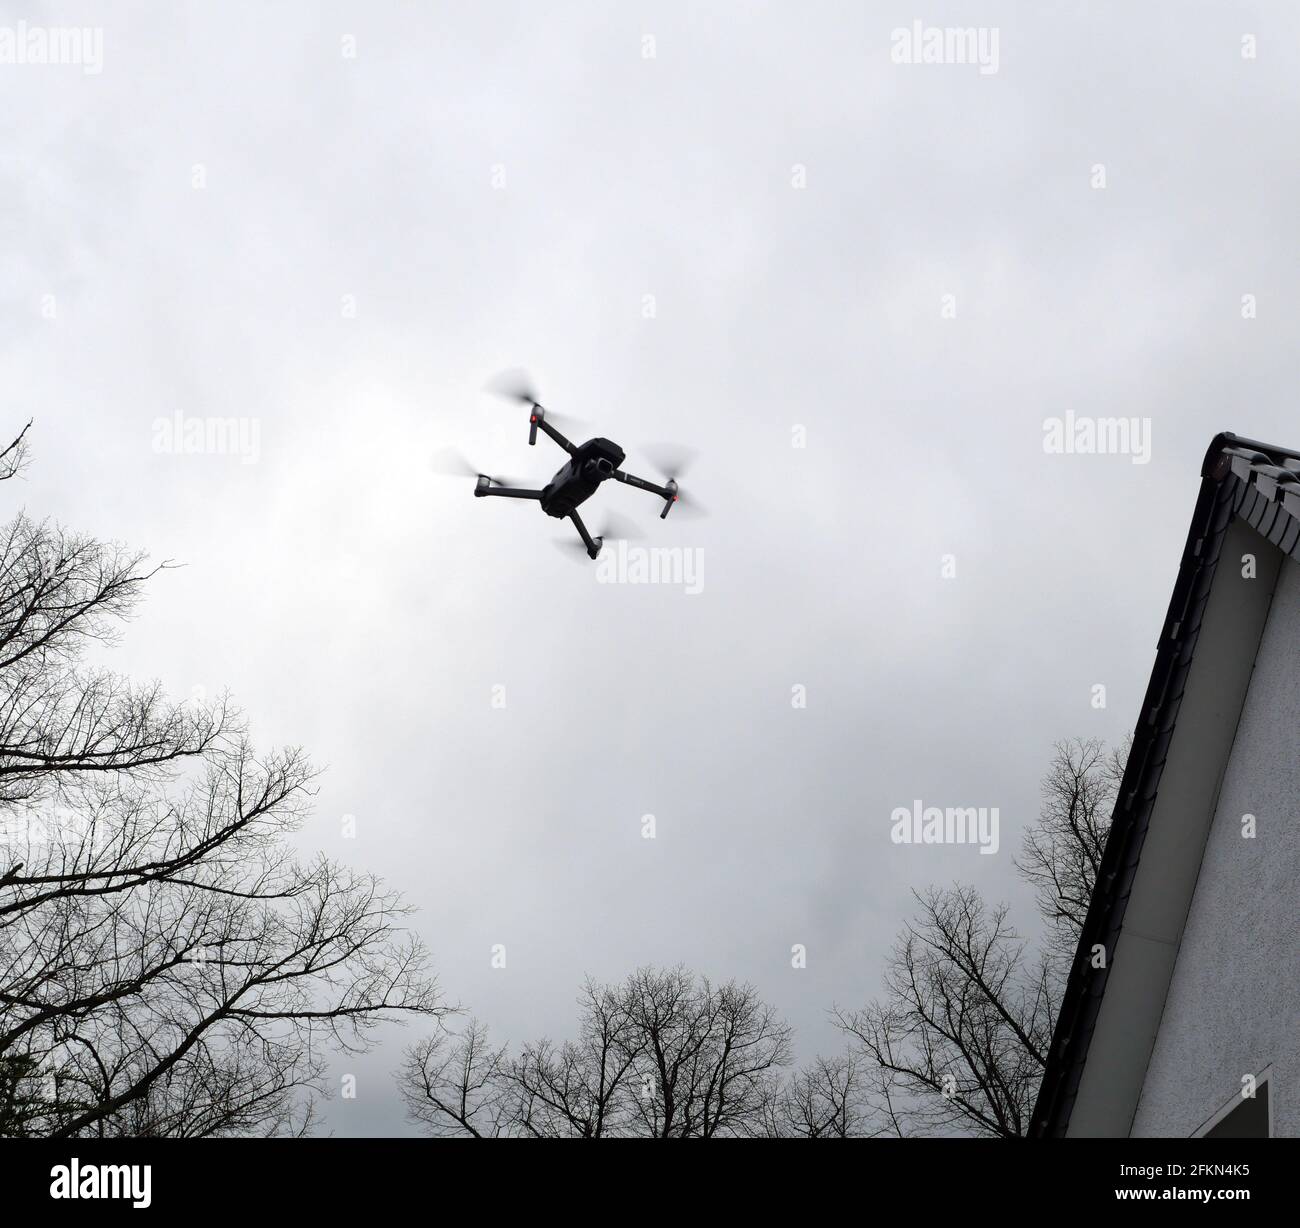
pixel 673 462
pixel 619 528
pixel 515 384
pixel 451 463
pixel 671 459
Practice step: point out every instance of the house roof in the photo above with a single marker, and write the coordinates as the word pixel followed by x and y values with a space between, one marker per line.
pixel 1243 483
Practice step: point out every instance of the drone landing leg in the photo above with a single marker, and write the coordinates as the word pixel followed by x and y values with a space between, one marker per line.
pixel 593 547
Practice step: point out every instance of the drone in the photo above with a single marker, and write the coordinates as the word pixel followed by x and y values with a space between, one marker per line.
pixel 589 465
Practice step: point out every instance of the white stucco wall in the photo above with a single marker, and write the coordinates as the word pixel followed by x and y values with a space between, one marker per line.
pixel 1233 1006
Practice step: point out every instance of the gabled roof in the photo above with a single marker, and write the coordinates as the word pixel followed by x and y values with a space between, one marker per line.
pixel 1202 670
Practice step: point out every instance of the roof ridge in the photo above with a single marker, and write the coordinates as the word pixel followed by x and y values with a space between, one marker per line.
pixel 1226 439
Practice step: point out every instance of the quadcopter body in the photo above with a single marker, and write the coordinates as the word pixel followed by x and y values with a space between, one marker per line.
pixel 591 464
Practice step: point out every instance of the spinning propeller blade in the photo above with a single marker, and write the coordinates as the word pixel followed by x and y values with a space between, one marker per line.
pixel 673 461
pixel 619 528
pixel 516 384
pixel 452 463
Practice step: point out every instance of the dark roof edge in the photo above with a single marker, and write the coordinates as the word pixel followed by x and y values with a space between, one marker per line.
pixel 1226 439
pixel 1228 489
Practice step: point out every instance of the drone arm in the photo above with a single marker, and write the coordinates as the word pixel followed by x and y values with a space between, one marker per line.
pixel 485 488
pixel 667 493
pixel 641 484
pixel 537 421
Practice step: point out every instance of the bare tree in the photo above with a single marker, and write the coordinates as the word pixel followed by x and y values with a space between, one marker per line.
pixel 959 1041
pixel 962 1036
pixel 665 1055
pixel 166 965
pixel 828 1098
pixel 709 1056
pixel 459 1085
pixel 580 1088
pixel 1061 854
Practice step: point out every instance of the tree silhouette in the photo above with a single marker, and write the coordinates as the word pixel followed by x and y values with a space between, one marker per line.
pixel 167 967
pixel 959 1042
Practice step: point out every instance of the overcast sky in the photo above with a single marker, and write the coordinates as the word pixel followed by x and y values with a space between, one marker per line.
pixel 713 224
